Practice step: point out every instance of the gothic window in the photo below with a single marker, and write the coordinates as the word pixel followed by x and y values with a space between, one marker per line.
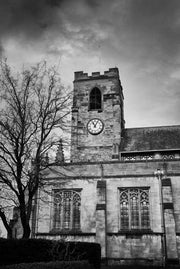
pixel 95 99
pixel 66 210
pixel 134 208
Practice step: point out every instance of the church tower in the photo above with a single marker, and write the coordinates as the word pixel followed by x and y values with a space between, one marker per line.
pixel 97 116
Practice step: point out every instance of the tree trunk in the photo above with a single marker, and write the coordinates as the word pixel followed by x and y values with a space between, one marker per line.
pixel 26 231
pixel 9 234
pixel 6 224
pixel 24 220
pixel 25 225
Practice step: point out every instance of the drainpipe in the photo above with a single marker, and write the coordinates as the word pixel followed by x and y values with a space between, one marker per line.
pixel 105 198
pixel 159 174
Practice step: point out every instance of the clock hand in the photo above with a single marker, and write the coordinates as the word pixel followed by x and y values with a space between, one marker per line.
pixel 95 123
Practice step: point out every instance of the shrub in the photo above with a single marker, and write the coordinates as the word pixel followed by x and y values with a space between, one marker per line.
pixel 24 250
pixel 42 250
pixel 77 251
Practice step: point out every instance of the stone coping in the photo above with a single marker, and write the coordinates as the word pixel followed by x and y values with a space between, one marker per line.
pixel 70 233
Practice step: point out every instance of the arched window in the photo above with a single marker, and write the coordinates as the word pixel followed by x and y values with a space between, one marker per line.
pixel 67 210
pixel 95 99
pixel 134 208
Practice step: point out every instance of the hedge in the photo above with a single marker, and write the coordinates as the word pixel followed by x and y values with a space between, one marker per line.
pixel 78 251
pixel 50 265
pixel 14 251
pixel 18 251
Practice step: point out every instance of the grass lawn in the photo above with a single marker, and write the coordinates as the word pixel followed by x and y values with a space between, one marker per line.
pixel 137 267
pixel 128 267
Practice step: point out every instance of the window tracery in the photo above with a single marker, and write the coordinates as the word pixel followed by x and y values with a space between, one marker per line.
pixel 66 210
pixel 134 208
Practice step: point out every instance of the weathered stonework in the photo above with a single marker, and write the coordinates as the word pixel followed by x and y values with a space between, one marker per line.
pixel 105 164
pixel 100 217
pixel 137 249
pixel 84 146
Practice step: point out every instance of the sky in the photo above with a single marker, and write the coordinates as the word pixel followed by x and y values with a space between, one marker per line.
pixel 140 37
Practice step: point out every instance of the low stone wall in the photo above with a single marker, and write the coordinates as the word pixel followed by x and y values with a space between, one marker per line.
pixel 66 237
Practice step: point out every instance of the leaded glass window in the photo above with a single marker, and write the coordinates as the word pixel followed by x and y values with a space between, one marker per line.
pixel 95 99
pixel 134 208
pixel 66 210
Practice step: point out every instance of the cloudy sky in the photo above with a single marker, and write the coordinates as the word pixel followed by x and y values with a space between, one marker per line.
pixel 140 37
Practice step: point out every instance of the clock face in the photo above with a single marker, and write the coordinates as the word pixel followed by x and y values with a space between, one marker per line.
pixel 95 126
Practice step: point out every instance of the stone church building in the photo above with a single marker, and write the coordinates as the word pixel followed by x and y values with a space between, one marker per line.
pixel 122 185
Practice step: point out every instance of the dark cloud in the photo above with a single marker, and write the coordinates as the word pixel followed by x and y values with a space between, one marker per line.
pixel 132 23
pixel 1 51
pixel 141 37
pixel 93 3
pixel 46 20
pixel 27 17
pixel 32 17
pixel 142 32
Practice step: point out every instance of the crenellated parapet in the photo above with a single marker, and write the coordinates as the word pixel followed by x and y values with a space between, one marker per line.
pixel 81 76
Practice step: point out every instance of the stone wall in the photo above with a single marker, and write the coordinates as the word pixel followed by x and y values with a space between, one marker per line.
pixel 74 238
pixel 135 249
pixel 88 205
pixel 100 220
pixel 87 147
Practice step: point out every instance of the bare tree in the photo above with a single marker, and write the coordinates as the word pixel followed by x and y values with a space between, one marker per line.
pixel 34 105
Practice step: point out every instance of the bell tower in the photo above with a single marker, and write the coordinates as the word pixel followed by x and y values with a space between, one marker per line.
pixel 97 116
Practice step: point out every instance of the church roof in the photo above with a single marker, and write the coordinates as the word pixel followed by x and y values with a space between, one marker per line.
pixel 151 138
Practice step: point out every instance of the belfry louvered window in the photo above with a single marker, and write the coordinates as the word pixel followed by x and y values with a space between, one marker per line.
pixel 134 208
pixel 95 99
pixel 66 210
